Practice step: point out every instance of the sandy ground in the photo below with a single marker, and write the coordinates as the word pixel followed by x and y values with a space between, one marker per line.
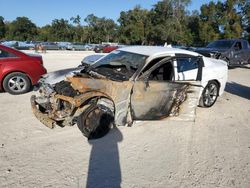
pixel 212 152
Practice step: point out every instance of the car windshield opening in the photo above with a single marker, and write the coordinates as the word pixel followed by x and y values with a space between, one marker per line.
pixel 220 44
pixel 119 65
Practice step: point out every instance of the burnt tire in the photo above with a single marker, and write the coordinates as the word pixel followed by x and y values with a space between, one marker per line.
pixel 96 121
pixel 16 83
pixel 209 94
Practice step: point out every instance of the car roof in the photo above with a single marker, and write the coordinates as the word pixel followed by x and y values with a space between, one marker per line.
pixel 156 50
pixel 229 40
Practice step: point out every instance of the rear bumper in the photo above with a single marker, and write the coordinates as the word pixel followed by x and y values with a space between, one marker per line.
pixel 42 117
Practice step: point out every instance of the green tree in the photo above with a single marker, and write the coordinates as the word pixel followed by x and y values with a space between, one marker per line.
pixel 44 33
pixel 22 29
pixel 61 30
pixel 100 29
pixel 78 29
pixel 210 22
pixel 231 20
pixel 170 23
pixel 193 25
pixel 2 28
pixel 91 21
pixel 244 6
pixel 134 26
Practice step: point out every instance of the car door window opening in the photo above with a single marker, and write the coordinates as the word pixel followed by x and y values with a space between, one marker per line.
pixel 5 54
pixel 164 72
pixel 238 46
pixel 187 63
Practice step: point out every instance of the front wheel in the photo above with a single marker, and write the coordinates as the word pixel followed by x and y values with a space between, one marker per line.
pixel 96 121
pixel 209 94
pixel 16 83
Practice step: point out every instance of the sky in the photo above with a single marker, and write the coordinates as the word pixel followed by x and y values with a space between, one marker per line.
pixel 42 12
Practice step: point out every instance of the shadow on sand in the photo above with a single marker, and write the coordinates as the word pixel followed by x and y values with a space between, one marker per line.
pixel 104 165
pixel 238 89
pixel 245 67
pixel 240 66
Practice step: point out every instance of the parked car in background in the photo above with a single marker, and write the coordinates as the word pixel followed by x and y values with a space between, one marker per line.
pixel 26 45
pixel 19 71
pixel 88 47
pixel 63 45
pixel 99 48
pixel 108 49
pixel 234 51
pixel 79 46
pixel 129 84
pixel 12 44
pixel 49 46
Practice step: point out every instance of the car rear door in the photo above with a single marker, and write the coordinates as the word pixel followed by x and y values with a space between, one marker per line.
pixel 187 67
pixel 156 94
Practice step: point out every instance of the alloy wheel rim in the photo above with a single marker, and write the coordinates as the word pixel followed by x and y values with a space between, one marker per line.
pixel 210 94
pixel 17 84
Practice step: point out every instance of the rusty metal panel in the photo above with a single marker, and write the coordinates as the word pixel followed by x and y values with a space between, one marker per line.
pixel 43 118
pixel 118 92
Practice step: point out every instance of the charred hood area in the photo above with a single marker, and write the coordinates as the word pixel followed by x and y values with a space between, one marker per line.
pixel 65 88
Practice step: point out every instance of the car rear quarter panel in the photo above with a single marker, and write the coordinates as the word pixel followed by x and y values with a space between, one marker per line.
pixel 215 70
pixel 30 66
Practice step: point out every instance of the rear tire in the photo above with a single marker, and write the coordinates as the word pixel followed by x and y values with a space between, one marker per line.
pixel 96 121
pixel 209 94
pixel 16 83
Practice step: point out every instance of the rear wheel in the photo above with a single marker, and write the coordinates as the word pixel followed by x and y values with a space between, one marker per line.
pixel 16 83
pixel 96 121
pixel 209 94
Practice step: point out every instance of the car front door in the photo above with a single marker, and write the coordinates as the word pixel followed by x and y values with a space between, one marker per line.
pixel 238 57
pixel 157 95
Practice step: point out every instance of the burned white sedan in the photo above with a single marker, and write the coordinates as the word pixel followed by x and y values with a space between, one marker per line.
pixel 130 84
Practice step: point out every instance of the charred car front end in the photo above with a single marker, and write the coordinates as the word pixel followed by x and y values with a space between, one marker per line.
pixel 120 88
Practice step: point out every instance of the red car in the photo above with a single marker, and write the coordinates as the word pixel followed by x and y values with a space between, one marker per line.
pixel 19 71
pixel 108 49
